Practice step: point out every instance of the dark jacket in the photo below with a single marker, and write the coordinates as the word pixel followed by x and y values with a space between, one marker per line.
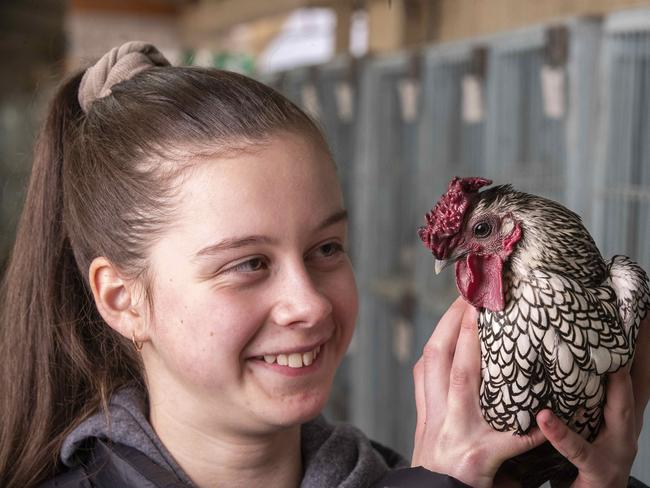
pixel 121 449
pixel 117 465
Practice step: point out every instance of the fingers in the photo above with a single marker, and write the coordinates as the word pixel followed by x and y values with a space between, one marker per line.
pixel 640 371
pixel 420 401
pixel 465 375
pixel 512 445
pixel 619 408
pixel 568 443
pixel 439 352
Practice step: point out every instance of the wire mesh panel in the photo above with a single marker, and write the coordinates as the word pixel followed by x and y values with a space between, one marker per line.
pixel 582 118
pixel 337 84
pixel 384 227
pixel 17 128
pixel 623 177
pixel 622 186
pixel 526 141
pixel 451 144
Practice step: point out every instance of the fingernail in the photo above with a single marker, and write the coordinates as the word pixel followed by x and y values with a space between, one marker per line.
pixel 549 421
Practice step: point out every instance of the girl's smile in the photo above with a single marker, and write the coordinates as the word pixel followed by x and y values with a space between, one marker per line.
pixel 292 364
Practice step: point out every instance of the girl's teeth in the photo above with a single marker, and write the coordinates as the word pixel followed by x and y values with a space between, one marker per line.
pixel 308 358
pixel 293 360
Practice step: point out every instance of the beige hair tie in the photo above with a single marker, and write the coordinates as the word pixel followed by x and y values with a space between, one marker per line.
pixel 119 64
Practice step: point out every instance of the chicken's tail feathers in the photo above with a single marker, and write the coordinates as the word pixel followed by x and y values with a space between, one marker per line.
pixel 631 285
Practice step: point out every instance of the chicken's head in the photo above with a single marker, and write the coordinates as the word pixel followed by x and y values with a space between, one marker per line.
pixel 477 241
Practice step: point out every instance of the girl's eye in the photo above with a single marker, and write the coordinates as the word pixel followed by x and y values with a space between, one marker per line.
pixel 330 249
pixel 249 266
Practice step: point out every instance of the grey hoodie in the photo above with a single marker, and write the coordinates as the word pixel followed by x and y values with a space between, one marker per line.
pixel 333 455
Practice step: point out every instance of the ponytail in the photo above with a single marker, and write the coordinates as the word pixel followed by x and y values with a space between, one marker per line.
pixel 49 326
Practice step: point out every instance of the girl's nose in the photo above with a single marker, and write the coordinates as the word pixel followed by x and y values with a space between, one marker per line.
pixel 299 302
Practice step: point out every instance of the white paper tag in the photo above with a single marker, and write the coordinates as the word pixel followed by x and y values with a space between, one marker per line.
pixel 472 99
pixel 402 340
pixel 310 100
pixel 408 90
pixel 553 91
pixel 344 101
pixel 203 58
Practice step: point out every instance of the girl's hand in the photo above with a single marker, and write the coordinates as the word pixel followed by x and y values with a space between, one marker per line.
pixel 608 460
pixel 451 436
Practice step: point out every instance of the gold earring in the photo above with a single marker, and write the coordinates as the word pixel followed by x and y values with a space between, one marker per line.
pixel 136 344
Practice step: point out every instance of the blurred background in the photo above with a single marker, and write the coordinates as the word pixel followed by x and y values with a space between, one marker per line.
pixel 552 96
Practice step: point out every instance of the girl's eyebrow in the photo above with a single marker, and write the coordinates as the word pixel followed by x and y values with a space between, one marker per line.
pixel 237 242
pixel 231 243
pixel 335 218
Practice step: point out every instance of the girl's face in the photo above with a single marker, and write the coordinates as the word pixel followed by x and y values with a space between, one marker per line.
pixel 252 275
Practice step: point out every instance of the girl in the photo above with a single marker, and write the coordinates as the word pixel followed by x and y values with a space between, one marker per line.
pixel 179 299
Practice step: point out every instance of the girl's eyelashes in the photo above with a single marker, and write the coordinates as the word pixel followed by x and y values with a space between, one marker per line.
pixel 324 253
pixel 327 252
pixel 251 265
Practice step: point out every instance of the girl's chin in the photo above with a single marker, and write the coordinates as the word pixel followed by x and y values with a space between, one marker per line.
pixel 298 411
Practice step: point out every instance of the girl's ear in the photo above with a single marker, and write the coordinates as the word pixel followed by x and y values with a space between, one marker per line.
pixel 116 299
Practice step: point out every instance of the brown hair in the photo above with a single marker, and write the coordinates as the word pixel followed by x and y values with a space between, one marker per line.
pixel 102 184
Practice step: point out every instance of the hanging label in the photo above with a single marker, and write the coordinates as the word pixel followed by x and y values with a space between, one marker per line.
pixel 408 90
pixel 553 91
pixel 310 100
pixel 344 101
pixel 472 99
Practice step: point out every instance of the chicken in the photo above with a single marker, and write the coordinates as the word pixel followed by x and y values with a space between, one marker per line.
pixel 554 318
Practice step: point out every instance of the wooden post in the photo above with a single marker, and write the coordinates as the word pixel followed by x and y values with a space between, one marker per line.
pixel 386 25
pixel 343 10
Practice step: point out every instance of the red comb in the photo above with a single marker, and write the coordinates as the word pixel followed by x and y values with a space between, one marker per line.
pixel 446 217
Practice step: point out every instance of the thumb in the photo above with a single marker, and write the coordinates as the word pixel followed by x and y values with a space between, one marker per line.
pixel 568 443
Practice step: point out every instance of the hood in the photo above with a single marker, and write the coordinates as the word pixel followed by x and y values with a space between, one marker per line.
pixel 333 454
pixel 341 455
pixel 126 423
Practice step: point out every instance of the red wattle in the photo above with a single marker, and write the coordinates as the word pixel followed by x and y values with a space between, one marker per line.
pixel 478 279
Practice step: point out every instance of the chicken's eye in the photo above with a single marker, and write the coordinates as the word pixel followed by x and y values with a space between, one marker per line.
pixel 482 229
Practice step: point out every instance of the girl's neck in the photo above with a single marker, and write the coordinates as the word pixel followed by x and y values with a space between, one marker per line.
pixel 212 460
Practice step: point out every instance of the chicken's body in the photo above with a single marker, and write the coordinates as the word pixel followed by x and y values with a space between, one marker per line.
pixel 568 319
pixel 554 318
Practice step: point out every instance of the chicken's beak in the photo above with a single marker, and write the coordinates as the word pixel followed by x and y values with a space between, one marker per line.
pixel 441 264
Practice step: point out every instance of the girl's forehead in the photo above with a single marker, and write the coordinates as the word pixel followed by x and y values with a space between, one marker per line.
pixel 282 165
pixel 286 180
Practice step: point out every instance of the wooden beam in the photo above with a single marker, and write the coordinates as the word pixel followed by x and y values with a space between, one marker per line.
pixel 460 19
pixel 262 32
pixel 209 18
pixel 143 7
